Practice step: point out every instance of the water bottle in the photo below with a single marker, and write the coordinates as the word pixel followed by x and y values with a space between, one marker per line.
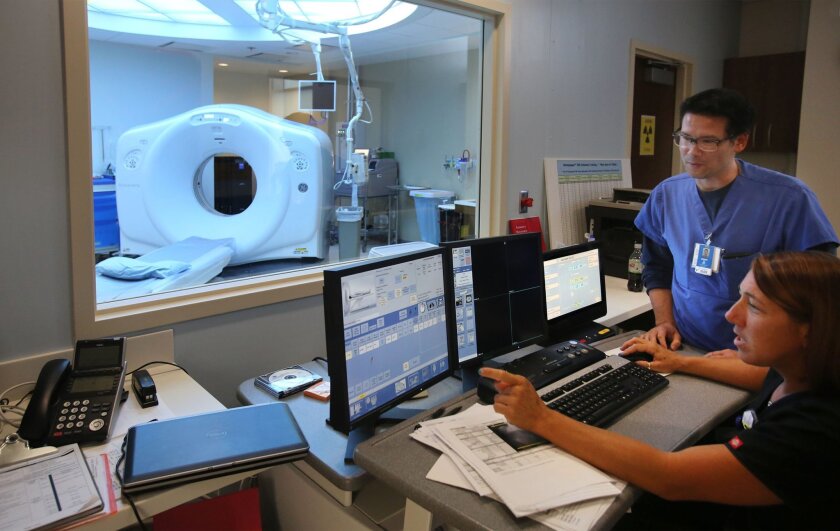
pixel 634 269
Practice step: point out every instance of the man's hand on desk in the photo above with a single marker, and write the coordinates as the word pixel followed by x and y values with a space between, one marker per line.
pixel 665 334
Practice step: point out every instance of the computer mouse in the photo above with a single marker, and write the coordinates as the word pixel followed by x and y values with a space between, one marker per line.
pixel 638 356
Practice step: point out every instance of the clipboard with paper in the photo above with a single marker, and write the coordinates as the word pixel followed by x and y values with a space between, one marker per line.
pixel 47 491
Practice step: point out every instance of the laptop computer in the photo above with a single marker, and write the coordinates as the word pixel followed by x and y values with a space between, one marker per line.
pixel 179 450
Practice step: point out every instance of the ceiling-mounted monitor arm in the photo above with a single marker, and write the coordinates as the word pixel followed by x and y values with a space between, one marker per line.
pixel 316 51
pixel 356 165
pixel 274 18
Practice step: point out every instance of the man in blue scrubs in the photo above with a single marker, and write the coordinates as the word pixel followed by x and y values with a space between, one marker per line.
pixel 702 228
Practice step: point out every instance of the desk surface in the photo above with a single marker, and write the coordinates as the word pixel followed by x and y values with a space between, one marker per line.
pixel 327 446
pixel 183 396
pixel 674 418
pixel 622 304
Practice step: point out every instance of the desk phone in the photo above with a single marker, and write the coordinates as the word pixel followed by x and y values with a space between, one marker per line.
pixel 76 403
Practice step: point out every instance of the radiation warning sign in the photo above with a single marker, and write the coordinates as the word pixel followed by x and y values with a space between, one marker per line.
pixel 647 134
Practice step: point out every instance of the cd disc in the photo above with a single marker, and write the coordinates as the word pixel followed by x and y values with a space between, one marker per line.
pixel 290 376
pixel 286 381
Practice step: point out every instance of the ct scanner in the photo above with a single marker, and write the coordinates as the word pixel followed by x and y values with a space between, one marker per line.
pixel 158 183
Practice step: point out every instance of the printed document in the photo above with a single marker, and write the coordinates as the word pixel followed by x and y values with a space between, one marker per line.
pixel 528 482
pixel 47 491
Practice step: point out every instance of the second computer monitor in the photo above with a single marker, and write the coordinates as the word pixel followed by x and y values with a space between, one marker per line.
pixel 575 293
pixel 499 295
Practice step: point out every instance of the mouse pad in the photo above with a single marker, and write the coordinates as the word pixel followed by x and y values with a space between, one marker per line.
pixel 517 438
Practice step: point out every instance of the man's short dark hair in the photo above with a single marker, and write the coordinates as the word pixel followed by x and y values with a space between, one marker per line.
pixel 723 103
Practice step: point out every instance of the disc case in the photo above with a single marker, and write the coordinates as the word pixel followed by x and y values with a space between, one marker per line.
pixel 285 382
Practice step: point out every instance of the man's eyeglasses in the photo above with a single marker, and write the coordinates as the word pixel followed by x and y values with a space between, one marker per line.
pixel 706 143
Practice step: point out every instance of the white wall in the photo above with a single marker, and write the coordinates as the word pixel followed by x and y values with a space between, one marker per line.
pixel 569 89
pixel 819 127
pixel 569 84
pixel 243 89
pixel 35 304
pixel 126 86
pixel 423 114
pixel 773 26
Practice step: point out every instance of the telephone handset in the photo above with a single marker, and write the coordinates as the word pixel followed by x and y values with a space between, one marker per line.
pixel 76 404
pixel 33 425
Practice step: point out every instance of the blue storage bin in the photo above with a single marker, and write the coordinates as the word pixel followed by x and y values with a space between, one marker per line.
pixel 106 229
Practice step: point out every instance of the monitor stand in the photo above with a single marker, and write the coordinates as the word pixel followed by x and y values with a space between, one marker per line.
pixel 366 429
pixel 469 378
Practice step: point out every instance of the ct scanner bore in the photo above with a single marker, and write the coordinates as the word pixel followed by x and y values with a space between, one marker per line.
pixel 158 166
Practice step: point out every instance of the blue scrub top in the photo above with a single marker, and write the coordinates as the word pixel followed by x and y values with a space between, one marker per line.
pixel 764 211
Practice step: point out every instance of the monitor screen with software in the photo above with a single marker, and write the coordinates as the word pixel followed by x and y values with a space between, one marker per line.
pixel 575 293
pixel 387 333
pixel 499 295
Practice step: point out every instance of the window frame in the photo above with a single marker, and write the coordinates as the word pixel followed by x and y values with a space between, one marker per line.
pixel 92 320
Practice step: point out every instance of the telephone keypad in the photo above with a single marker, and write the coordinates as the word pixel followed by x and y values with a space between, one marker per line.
pixel 71 421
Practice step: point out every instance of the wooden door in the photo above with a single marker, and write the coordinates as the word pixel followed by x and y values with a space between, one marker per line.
pixel 773 85
pixel 654 100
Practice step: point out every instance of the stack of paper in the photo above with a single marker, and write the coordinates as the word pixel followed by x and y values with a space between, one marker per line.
pixel 46 491
pixel 544 482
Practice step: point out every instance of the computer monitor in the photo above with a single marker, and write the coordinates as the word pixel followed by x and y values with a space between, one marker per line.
pixel 575 293
pixel 499 295
pixel 387 334
pixel 316 95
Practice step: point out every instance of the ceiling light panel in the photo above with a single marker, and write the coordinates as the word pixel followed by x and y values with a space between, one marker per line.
pixel 181 11
pixel 338 11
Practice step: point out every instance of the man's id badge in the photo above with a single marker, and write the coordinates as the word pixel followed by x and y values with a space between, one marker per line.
pixel 706 259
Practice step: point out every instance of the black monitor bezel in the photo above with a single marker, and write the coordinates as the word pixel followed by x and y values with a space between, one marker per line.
pixel 564 324
pixel 493 240
pixel 334 332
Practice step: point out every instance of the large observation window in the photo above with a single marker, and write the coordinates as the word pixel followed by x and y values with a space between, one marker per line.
pixel 208 177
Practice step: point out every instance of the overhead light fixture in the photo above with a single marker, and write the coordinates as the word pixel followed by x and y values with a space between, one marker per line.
pixel 283 71
pixel 223 64
pixel 181 12
pixel 349 14
pixel 192 19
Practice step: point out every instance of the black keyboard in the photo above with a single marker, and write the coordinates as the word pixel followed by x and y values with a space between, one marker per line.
pixel 545 366
pixel 605 393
